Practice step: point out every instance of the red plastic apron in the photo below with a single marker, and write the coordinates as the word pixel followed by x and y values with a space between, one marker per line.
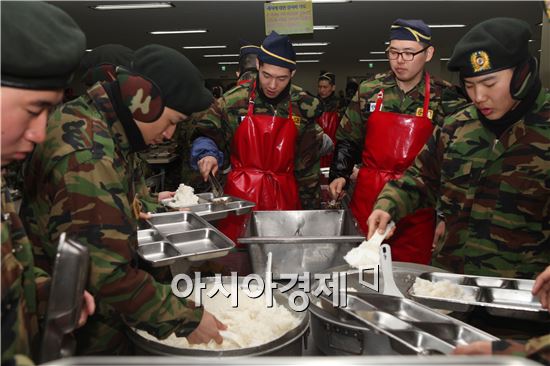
pixel 392 142
pixel 329 123
pixel 262 165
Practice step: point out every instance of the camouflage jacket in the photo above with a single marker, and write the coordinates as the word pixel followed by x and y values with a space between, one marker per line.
pixel 82 181
pixel 332 104
pixel 225 115
pixel 537 349
pixel 24 288
pixel 494 193
pixel 249 75
pixel 445 99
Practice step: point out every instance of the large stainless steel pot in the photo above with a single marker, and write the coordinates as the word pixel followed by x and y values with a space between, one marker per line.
pixel 290 344
pixel 345 335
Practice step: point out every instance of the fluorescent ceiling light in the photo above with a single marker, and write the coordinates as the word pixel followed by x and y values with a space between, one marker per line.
pixel 223 55
pixel 531 40
pixel 446 25
pixel 445 58
pixel 372 59
pixel 88 50
pixel 377 52
pixel 309 53
pixel 156 5
pixel 330 1
pixel 325 27
pixel 203 47
pixel 540 50
pixel 304 61
pixel 180 31
pixel 388 42
pixel 310 44
pixel 228 63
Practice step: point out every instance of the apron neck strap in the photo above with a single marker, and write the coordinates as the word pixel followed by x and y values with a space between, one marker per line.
pixel 252 96
pixel 380 96
pixel 426 95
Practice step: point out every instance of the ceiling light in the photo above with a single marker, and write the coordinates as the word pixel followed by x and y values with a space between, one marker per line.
pixel 372 59
pixel 531 40
pixel 203 47
pixel 223 55
pixel 445 58
pixel 156 5
pixel 387 42
pixel 88 50
pixel 228 63
pixel 180 31
pixel 309 53
pixel 325 27
pixel 310 44
pixel 540 50
pixel 304 61
pixel 540 24
pixel 446 25
pixel 377 52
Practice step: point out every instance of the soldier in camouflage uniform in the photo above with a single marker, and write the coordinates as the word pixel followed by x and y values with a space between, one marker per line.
pixel 332 110
pixel 82 181
pixel 389 120
pixel 248 71
pixel 489 164
pixel 37 63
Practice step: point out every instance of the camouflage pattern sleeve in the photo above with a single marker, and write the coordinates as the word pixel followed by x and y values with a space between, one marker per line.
pixel 148 202
pixel 89 201
pixel 419 186
pixel 307 166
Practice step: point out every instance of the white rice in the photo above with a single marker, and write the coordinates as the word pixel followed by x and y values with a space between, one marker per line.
pixel 365 255
pixel 252 322
pixel 442 289
pixel 184 197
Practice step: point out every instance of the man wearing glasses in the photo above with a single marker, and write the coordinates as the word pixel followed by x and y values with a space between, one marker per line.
pixel 389 120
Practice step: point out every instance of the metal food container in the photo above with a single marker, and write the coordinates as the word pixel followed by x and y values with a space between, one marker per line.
pixel 419 329
pixel 178 237
pixel 212 209
pixel 498 296
pixel 300 241
pixel 289 344
pixel 70 274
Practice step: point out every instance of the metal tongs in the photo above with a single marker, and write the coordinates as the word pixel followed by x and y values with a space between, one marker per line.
pixel 217 188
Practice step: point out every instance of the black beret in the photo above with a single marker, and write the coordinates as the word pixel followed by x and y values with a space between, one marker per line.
pixel 411 30
pixel 493 45
pixel 179 81
pixel 100 63
pixel 277 50
pixel 248 48
pixel 41 45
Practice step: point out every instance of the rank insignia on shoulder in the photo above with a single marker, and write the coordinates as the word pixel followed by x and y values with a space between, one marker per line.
pixel 296 120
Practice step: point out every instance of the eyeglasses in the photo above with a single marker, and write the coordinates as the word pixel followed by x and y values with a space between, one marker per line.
pixel 407 56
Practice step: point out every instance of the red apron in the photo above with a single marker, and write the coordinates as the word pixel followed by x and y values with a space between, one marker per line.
pixel 262 166
pixel 329 123
pixel 392 142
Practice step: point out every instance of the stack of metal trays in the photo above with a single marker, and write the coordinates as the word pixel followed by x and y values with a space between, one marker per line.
pixel 505 297
pixel 214 208
pixel 405 326
pixel 342 334
pixel 179 236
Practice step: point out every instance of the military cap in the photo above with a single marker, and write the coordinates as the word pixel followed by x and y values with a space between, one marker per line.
pixel 41 45
pixel 493 45
pixel 277 50
pixel 327 75
pixel 248 48
pixel 411 30
pixel 100 63
pixel 180 82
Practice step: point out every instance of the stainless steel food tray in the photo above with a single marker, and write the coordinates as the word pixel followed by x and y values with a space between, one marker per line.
pixel 499 296
pixel 178 236
pixel 407 327
pixel 211 208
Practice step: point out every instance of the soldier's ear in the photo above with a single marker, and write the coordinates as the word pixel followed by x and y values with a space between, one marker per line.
pixel 140 94
pixel 103 72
